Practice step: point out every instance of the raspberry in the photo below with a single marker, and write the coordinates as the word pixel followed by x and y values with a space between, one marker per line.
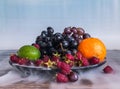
pixel 69 57
pixel 36 45
pixel 108 69
pixel 66 72
pixel 38 62
pixel 61 78
pixel 65 68
pixel 84 61
pixel 22 61
pixel 78 56
pixel 46 58
pixel 94 61
pixel 59 64
pixel 55 59
pixel 71 63
pixel 14 58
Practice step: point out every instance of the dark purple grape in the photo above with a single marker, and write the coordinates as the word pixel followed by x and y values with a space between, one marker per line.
pixel 43 52
pixel 58 37
pixel 86 35
pixel 56 34
pixel 39 42
pixel 43 44
pixel 67 30
pixel 75 36
pixel 73 76
pixel 52 51
pixel 65 43
pixel 43 35
pixel 79 40
pixel 74 30
pixel 72 39
pixel 64 35
pixel 49 44
pixel 49 38
pixel 39 38
pixel 69 38
pixel 45 39
pixel 74 44
pixel 60 51
pixel 74 51
pixel 68 52
pixel 50 31
pixel 81 31
pixel 44 32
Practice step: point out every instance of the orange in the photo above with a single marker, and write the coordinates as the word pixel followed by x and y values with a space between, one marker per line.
pixel 92 47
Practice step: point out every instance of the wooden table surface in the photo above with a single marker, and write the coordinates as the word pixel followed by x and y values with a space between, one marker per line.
pixel 91 79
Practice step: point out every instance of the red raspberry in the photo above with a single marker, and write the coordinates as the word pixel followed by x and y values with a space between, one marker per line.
pixel 61 78
pixel 94 61
pixel 78 56
pixel 46 58
pixel 36 45
pixel 84 61
pixel 69 57
pixel 71 63
pixel 65 68
pixel 59 64
pixel 22 61
pixel 108 69
pixel 55 59
pixel 14 58
pixel 38 62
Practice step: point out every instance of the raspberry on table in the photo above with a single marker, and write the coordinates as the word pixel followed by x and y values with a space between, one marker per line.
pixel 61 78
pixel 108 69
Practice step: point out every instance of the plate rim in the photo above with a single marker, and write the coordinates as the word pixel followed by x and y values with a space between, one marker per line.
pixel 45 68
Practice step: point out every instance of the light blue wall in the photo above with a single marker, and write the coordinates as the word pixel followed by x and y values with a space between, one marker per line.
pixel 22 20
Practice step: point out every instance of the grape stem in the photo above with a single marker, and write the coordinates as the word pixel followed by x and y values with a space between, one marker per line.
pixel 61 46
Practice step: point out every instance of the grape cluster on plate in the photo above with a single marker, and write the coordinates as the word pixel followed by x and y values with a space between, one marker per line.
pixel 61 43
pixel 59 50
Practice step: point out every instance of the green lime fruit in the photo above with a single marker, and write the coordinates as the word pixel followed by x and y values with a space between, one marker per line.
pixel 29 52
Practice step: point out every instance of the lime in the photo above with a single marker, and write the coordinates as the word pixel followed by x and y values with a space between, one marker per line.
pixel 29 52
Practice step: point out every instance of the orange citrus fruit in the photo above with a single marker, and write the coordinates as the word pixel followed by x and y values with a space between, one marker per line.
pixel 92 47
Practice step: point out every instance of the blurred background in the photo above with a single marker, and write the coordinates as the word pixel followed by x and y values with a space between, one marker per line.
pixel 21 21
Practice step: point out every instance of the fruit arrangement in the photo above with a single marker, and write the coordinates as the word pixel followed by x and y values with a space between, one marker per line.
pixel 72 48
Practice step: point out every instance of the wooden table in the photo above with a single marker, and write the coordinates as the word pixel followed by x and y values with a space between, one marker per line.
pixel 91 79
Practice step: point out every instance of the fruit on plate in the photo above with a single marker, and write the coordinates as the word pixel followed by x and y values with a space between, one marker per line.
pixel 92 47
pixel 29 52
pixel 72 48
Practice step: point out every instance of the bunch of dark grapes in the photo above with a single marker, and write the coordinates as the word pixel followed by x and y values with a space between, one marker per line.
pixel 61 43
